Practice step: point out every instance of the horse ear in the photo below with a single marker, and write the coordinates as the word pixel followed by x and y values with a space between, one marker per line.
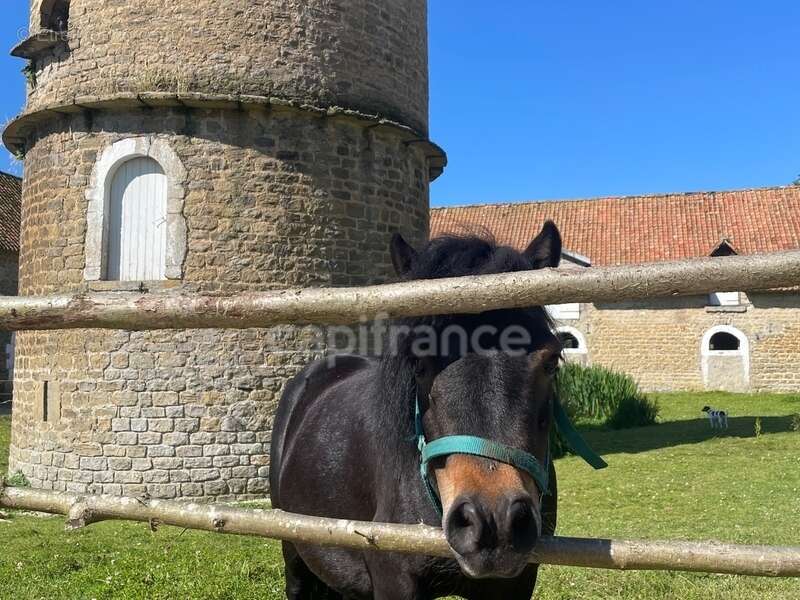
pixel 545 249
pixel 403 255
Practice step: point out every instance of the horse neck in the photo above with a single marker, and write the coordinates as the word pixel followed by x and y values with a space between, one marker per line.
pixel 398 383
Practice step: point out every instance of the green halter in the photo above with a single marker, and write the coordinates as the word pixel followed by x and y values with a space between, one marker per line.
pixel 475 446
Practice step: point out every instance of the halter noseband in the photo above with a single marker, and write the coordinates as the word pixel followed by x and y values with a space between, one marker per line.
pixel 476 446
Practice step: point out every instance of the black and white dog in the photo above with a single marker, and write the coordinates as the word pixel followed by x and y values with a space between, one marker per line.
pixel 717 418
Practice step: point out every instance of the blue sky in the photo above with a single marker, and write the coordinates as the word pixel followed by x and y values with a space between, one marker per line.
pixel 584 98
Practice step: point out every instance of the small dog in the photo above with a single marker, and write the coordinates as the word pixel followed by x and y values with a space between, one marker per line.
pixel 717 418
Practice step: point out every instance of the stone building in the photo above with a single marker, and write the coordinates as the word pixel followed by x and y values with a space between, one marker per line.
pixel 202 146
pixel 10 193
pixel 731 340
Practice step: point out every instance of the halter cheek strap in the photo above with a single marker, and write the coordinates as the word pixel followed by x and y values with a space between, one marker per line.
pixel 476 446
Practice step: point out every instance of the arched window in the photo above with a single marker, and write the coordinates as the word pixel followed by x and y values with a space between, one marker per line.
pixel 572 340
pixel 55 15
pixel 137 222
pixel 51 34
pixel 135 229
pixel 569 341
pixel 722 340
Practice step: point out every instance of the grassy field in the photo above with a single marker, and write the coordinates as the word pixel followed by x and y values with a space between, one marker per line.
pixel 675 480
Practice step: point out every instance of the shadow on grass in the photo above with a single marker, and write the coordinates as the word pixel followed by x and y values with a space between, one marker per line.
pixel 678 433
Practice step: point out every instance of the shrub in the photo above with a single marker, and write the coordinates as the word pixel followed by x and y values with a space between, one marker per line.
pixel 17 480
pixel 634 411
pixel 599 394
pixel 593 393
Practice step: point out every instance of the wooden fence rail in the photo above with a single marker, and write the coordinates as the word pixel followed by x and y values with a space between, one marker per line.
pixel 83 510
pixel 340 306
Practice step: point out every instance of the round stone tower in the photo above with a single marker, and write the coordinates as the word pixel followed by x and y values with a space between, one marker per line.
pixel 202 146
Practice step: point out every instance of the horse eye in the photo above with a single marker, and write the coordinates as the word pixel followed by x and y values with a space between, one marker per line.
pixel 551 367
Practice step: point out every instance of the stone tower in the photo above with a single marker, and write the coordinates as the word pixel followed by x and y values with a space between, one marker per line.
pixel 202 146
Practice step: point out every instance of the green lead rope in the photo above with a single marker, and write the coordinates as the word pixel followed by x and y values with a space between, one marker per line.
pixel 575 439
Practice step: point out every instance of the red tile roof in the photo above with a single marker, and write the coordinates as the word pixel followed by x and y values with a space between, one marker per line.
pixel 10 198
pixel 634 229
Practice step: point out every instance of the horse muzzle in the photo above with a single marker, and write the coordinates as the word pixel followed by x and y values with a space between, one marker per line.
pixel 493 537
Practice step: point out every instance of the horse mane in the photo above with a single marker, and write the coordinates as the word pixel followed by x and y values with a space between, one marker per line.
pixel 449 255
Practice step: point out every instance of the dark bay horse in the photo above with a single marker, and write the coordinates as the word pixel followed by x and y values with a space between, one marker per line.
pixel 344 440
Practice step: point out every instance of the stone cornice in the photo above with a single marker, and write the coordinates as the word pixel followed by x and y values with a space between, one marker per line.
pixel 16 133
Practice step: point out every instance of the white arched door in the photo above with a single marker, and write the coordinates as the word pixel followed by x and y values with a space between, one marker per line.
pixel 137 222
pixel 725 359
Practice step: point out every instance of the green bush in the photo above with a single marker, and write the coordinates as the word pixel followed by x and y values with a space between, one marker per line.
pixel 17 480
pixel 634 411
pixel 600 395
pixel 593 393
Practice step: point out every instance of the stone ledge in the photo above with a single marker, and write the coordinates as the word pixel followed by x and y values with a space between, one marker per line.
pixel 17 131
pixel 739 308
pixel 38 43
pixel 133 286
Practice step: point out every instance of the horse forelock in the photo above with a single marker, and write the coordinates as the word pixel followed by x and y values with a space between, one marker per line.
pixel 454 255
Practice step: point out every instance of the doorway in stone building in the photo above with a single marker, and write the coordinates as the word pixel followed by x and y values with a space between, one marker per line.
pixel 725 359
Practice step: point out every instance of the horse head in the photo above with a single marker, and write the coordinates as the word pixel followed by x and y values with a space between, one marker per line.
pixel 484 390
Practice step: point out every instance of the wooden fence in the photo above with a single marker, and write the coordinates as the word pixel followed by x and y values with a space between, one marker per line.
pixel 348 305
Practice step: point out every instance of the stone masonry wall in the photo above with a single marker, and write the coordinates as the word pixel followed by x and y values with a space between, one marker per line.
pixel 272 200
pixel 366 55
pixel 659 341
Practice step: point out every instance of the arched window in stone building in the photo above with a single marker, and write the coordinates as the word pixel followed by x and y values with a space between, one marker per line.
pixel 135 230
pixel 573 342
pixel 724 341
pixel 55 15
pixel 725 359
pixel 569 341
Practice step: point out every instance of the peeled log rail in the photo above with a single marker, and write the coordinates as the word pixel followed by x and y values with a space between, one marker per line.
pixel 341 306
pixel 704 557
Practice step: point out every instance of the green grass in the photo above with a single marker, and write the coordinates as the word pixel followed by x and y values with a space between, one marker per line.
pixel 674 480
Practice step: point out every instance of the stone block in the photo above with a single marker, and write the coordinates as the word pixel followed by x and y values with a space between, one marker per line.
pixel 200 475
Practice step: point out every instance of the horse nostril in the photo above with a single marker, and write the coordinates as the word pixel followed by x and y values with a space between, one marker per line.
pixel 520 514
pixel 521 526
pixel 465 527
